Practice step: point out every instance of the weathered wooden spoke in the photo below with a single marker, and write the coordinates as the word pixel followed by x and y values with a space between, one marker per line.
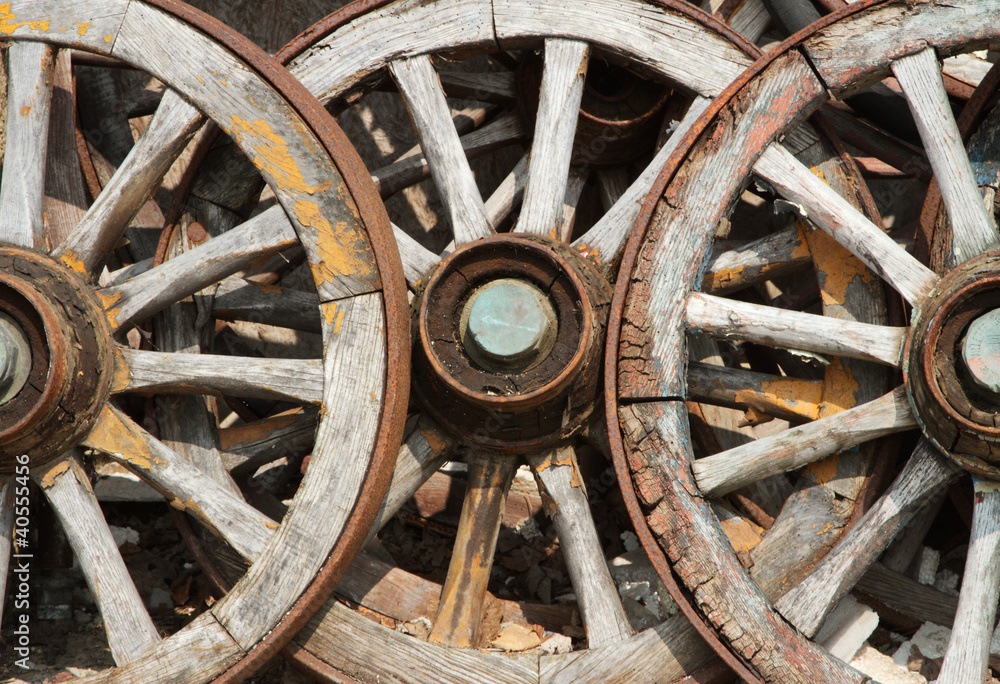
pixel 7 492
pixel 62 363
pixel 130 630
pixel 737 452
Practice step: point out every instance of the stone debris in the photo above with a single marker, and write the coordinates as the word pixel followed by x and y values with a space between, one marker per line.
pixel 927 569
pixel 881 668
pixel 515 637
pixel 556 643
pixel 846 629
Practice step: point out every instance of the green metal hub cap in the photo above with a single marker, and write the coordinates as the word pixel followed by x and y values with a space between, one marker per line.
pixel 981 353
pixel 507 323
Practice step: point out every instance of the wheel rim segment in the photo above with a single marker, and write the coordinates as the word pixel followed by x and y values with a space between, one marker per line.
pixel 314 173
pixel 839 55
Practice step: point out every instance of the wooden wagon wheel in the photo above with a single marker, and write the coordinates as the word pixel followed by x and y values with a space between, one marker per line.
pixel 944 363
pixel 64 364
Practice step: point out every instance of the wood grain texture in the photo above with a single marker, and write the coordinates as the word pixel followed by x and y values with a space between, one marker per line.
pixel 851 55
pixel 555 128
pixel 969 648
pixel 277 141
pixel 239 299
pixel 65 192
pixel 774 395
pixel 7 492
pixel 742 266
pixel 135 181
pixel 30 68
pixel 418 82
pixel 354 366
pixel 908 596
pixel 89 24
pixel 238 376
pixel 181 483
pixel 706 186
pixel 735 320
pixel 605 240
pixel 810 601
pixel 418 261
pixel 130 630
pixel 698 59
pixel 658 449
pixel 596 593
pixel 793 448
pixel 171 281
pixel 973 229
pixel 508 193
pixel 823 206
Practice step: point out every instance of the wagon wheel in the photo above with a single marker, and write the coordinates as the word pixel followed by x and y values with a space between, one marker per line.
pixel 65 363
pixel 940 353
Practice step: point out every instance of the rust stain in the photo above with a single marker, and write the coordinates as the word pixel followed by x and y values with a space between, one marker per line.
pixel 8 22
pixel 49 478
pixel 73 261
pixel 81 27
pixel 273 156
pixel 435 441
pixel 271 289
pixel 342 251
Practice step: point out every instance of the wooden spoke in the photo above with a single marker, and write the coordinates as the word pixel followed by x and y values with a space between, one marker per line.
pixel 973 229
pixel 774 395
pixel 149 292
pixel 173 125
pixel 464 590
pixel 769 257
pixel 238 299
pixel 603 614
pixel 607 237
pixel 425 450
pixel 247 447
pixel 510 191
pixel 807 605
pixel 612 184
pixel 29 91
pixel 418 261
pixel 413 168
pixel 181 483
pixel 65 190
pixel 574 189
pixel 449 166
pixel 796 183
pixel 555 128
pixel 485 86
pixel 969 648
pixel 238 376
pixel 7 491
pixel 730 319
pixel 129 628
pixel 735 468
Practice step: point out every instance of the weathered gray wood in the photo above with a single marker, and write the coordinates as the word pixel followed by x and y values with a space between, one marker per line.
pixel 506 129
pixel 238 376
pixel 824 207
pixel 730 470
pixel 151 291
pixel 7 493
pixel 600 606
pixel 424 451
pixel 171 660
pixel 852 55
pixel 173 125
pixel 65 192
pixel 30 68
pixel 449 166
pixel 775 395
pixel 485 86
pixel 973 229
pixel 181 483
pixel 683 225
pixel 899 554
pixel 612 184
pixel 908 596
pixel 354 370
pixel 731 319
pixel 245 300
pixel 90 24
pixel 606 238
pixel 418 261
pixel 578 177
pixel 776 254
pixel 510 191
pixel 130 630
pixel 969 649
pixel 694 57
pixel 247 447
pixel 555 127
pixel 807 604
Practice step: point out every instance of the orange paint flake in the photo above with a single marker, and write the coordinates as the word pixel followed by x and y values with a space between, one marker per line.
pixel 342 251
pixel 81 28
pixel 8 22
pixel 25 110
pixel 73 261
pixel 272 157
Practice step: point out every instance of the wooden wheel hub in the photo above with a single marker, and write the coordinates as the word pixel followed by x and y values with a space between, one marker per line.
pixel 948 365
pixel 66 379
pixel 620 112
pixel 510 330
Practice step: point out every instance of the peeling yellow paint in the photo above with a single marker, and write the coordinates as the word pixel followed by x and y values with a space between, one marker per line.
pixel 73 261
pixel 112 311
pixel 113 435
pixel 81 27
pixel 108 39
pixel 49 478
pixel 273 156
pixel 787 395
pixel 122 375
pixel 330 312
pixel 840 389
pixel 8 21
pixel 742 534
pixel 826 528
pixel 342 251
pixel 25 110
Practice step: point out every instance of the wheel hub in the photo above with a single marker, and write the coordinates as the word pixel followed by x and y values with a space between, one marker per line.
pixel 510 331
pixel 953 365
pixel 55 357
